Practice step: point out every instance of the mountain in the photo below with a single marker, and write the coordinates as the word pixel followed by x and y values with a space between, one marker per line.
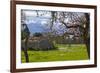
pixel 35 27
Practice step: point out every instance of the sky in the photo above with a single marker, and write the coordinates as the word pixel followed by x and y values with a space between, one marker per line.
pixel 39 23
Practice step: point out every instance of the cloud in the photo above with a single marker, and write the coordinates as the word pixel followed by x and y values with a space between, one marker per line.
pixel 43 22
pixel 30 13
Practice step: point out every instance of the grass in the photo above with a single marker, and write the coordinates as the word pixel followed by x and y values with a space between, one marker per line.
pixel 65 53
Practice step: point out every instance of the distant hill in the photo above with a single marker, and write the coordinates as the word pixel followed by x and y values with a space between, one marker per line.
pixel 35 27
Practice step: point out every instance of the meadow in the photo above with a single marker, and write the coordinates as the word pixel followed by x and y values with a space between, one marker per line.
pixel 63 53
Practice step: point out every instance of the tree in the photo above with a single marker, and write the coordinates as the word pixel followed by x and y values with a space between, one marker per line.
pixel 80 25
pixel 24 35
pixel 86 33
pixel 77 24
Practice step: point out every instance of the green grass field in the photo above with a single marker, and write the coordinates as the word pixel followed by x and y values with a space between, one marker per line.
pixel 64 53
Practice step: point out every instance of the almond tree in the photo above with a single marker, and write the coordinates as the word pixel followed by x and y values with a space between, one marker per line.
pixel 78 25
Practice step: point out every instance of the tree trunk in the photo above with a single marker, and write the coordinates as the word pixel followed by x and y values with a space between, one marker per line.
pixel 26 55
pixel 25 50
pixel 86 34
pixel 88 47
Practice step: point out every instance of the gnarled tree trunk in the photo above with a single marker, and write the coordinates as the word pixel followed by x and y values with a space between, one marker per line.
pixel 25 50
pixel 86 34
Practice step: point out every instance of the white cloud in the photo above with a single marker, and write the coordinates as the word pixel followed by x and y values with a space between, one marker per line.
pixel 43 23
pixel 30 13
